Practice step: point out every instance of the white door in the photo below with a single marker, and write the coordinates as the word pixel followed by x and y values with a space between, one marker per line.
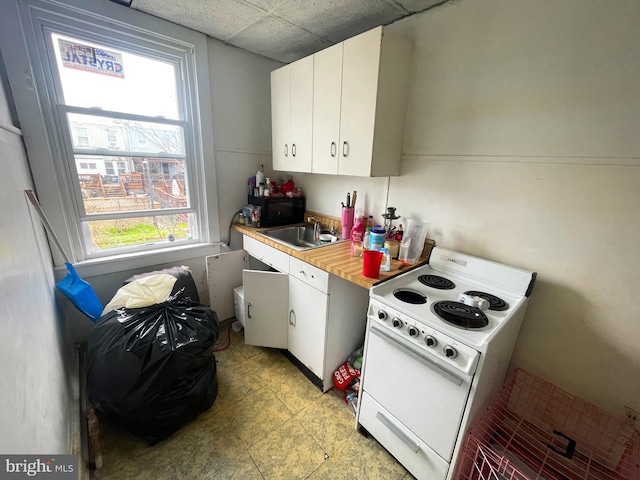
pixel 301 99
pixel 280 118
pixel 224 273
pixel 327 92
pixel 266 301
pixel 307 325
pixel 361 62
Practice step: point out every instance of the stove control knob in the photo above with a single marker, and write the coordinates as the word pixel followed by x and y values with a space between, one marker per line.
pixel 382 315
pixel 413 332
pixel 430 341
pixel 450 352
pixel 397 322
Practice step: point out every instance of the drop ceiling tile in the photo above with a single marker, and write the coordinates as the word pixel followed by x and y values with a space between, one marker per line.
pixel 337 20
pixel 219 19
pixel 415 6
pixel 279 40
pixel 266 5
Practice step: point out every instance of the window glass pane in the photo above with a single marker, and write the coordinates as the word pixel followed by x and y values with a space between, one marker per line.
pixel 82 136
pixel 125 232
pixel 94 75
pixel 129 135
pixel 138 184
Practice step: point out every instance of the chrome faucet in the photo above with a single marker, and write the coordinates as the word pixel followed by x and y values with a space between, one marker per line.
pixel 317 226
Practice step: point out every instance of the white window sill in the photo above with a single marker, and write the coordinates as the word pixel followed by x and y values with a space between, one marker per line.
pixel 133 261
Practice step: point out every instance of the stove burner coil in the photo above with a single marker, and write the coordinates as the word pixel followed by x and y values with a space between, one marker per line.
pixel 495 303
pixel 409 296
pixel 436 281
pixel 460 315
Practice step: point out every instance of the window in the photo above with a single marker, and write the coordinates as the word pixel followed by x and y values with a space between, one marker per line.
pixel 83 136
pixel 142 139
pixel 104 87
pixel 125 96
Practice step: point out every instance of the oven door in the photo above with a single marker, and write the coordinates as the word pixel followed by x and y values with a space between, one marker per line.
pixel 424 393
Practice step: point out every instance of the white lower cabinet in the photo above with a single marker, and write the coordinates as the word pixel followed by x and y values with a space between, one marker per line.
pixel 265 299
pixel 307 324
pixel 320 318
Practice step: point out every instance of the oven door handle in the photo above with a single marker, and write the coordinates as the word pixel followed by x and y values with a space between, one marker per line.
pixel 419 356
pixel 397 432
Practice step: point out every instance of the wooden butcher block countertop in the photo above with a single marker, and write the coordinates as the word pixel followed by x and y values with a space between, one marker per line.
pixel 335 259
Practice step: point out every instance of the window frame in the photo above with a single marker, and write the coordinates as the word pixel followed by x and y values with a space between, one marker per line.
pixel 126 29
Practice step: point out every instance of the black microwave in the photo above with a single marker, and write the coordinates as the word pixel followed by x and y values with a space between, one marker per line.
pixel 276 211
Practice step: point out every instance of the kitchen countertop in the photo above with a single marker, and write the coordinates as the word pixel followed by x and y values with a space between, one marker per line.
pixel 335 259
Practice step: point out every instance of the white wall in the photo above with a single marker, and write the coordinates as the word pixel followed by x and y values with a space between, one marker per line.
pixel 38 397
pixel 522 146
pixel 241 105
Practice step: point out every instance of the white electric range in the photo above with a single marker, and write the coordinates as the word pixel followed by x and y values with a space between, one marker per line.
pixel 438 344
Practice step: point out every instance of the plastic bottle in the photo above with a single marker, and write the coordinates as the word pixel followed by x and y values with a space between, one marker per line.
pixel 260 176
pixel 366 240
pixel 370 222
pixel 377 237
pixel 357 234
pixel 399 233
pixel 352 400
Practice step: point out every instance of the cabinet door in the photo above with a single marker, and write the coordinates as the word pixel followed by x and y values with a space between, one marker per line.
pixel 301 100
pixel 360 66
pixel 280 118
pixel 307 325
pixel 224 273
pixel 265 305
pixel 327 88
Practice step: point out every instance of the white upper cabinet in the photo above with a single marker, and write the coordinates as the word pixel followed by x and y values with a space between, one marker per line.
pixel 280 118
pixel 360 92
pixel 327 95
pixel 291 116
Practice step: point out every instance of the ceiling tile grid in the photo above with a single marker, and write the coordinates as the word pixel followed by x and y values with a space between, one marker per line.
pixel 275 38
pixel 337 20
pixel 283 30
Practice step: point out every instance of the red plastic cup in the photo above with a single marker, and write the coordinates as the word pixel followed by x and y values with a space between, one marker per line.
pixel 371 260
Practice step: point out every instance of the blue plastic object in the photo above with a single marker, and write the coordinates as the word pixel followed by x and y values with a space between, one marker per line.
pixel 80 293
pixel 72 286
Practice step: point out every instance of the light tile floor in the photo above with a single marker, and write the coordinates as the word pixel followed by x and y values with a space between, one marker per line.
pixel 268 422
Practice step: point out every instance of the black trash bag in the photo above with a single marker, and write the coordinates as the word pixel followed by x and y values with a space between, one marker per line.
pixel 151 370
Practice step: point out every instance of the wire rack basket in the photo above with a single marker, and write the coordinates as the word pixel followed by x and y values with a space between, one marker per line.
pixel 533 430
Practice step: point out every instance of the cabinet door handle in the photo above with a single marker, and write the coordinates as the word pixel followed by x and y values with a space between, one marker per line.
pixel 292 318
pixel 293 149
pixel 249 310
pixel 345 149
pixel 333 149
pixel 286 150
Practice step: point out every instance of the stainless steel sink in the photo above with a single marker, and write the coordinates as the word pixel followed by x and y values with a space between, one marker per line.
pixel 299 237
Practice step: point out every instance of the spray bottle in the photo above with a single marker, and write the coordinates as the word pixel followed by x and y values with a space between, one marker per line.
pixel 357 232
pixel 260 176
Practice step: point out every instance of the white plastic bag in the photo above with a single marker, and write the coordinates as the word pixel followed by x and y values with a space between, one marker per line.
pixel 142 292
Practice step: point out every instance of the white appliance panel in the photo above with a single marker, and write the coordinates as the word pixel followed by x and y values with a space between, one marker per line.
pixel 417 388
pixel 413 453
